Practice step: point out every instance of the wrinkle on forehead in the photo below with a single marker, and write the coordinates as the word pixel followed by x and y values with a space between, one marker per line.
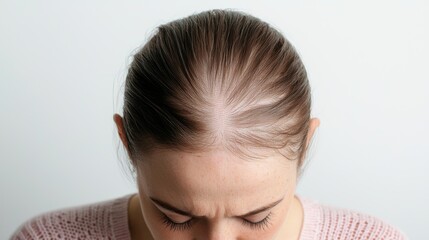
pixel 216 183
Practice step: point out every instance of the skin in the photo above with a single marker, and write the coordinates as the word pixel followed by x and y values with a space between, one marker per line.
pixel 217 188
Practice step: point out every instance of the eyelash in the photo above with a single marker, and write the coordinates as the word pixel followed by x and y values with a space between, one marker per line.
pixel 176 226
pixel 264 223
pixel 261 225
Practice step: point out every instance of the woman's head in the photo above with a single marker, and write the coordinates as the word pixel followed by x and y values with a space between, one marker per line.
pixel 216 122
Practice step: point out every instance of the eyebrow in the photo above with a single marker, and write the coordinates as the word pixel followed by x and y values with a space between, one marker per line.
pixel 188 214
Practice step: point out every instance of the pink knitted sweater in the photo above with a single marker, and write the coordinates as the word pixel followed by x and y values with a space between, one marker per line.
pixel 109 220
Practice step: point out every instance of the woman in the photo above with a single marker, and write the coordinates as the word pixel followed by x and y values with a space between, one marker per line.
pixel 216 123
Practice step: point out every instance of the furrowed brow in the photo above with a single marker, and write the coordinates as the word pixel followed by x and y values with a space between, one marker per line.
pixel 185 213
pixel 262 209
pixel 172 208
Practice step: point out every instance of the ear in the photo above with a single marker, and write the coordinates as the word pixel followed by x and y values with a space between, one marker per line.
pixel 121 130
pixel 314 123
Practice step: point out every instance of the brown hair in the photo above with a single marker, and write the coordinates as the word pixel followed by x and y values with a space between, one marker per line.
pixel 219 78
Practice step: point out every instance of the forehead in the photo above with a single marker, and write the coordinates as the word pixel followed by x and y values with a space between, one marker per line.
pixel 215 176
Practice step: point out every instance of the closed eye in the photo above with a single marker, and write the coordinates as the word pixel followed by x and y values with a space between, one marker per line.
pixel 186 225
pixel 175 226
pixel 183 220
pixel 262 224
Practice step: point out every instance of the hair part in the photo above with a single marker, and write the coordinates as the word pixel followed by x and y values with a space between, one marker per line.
pixel 217 79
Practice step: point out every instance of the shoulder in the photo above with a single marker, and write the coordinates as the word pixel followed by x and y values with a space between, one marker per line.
pixel 100 220
pixel 325 222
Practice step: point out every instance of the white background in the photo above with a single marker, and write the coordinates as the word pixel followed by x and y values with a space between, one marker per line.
pixel 62 64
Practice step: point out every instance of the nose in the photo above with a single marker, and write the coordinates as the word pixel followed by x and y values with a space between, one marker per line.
pixel 217 231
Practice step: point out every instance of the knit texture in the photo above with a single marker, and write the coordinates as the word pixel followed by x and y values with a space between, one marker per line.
pixel 109 220
pixel 324 222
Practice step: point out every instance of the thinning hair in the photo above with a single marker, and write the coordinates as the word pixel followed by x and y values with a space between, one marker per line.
pixel 217 79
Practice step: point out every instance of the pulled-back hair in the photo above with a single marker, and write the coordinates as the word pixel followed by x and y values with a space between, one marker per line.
pixel 217 79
